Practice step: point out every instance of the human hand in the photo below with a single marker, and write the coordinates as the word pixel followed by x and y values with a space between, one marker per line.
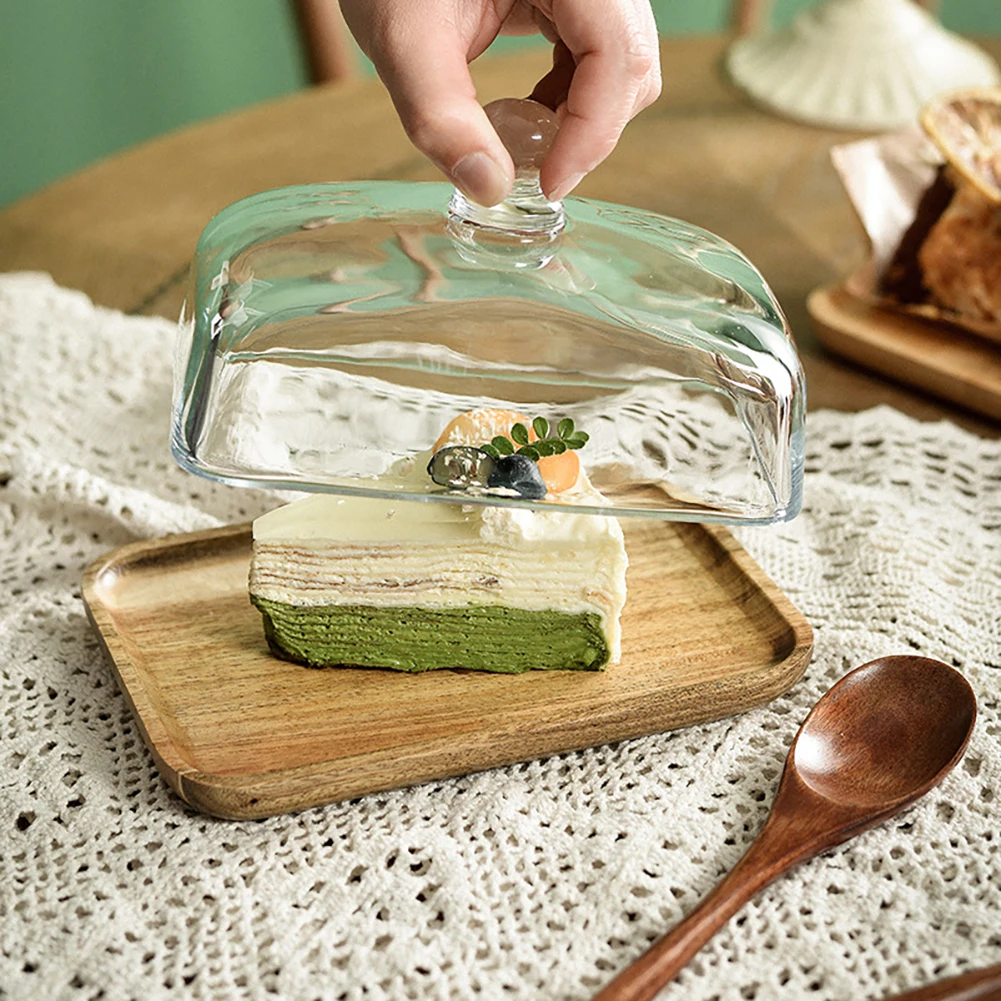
pixel 606 69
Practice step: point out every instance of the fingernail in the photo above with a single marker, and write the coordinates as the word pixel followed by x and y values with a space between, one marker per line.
pixel 564 189
pixel 481 178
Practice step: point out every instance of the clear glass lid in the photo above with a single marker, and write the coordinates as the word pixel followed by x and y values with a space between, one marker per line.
pixel 333 332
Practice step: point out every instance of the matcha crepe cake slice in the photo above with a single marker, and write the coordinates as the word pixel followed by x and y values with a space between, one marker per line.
pixel 418 586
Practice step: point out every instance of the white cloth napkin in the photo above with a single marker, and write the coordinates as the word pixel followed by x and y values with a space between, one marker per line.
pixel 536 881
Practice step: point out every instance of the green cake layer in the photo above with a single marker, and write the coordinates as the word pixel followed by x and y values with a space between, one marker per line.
pixel 477 637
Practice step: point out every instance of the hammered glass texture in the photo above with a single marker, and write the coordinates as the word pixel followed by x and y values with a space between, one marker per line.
pixel 334 329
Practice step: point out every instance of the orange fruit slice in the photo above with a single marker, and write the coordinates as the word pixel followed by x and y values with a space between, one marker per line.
pixel 560 472
pixel 477 427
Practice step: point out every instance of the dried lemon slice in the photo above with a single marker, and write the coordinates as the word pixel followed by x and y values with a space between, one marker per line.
pixel 966 127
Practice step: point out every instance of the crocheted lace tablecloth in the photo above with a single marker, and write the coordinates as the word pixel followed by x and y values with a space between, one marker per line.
pixel 535 881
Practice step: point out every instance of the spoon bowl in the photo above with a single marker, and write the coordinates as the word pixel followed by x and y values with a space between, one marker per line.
pixel 886 733
pixel 877 741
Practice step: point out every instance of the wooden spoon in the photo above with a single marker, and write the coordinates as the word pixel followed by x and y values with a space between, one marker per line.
pixel 883 736
pixel 976 985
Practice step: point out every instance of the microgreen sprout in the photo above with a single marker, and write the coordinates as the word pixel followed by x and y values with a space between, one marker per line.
pixel 566 436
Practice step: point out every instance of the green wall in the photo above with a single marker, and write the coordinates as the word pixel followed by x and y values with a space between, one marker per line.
pixel 83 78
pixel 80 79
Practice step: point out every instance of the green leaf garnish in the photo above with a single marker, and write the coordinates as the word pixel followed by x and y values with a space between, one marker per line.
pixel 546 443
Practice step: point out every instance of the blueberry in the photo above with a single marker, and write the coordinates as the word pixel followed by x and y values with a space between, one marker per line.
pixel 460 466
pixel 518 472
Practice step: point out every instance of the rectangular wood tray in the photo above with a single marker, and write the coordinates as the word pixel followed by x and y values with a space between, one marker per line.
pixel 238 733
pixel 941 359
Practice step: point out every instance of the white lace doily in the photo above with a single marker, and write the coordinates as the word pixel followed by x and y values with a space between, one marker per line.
pixel 536 881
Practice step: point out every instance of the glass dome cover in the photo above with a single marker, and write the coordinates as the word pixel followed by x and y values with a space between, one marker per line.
pixel 331 331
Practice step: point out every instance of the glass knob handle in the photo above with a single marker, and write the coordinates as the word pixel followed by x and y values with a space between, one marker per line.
pixel 527 130
pixel 526 217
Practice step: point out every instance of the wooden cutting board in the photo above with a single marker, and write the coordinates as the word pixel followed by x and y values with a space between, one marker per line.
pixel 239 733
pixel 941 359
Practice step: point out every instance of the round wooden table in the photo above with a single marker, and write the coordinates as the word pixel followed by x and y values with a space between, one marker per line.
pixel 123 230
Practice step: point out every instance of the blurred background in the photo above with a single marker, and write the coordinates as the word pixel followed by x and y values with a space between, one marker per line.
pixel 84 78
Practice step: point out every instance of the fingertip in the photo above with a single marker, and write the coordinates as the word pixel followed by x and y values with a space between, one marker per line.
pixel 574 155
pixel 482 178
pixel 457 137
pixel 463 145
pixel 563 187
pixel 440 113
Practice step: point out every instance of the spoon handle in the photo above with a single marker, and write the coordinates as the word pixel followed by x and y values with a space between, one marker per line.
pixel 774 851
pixel 977 985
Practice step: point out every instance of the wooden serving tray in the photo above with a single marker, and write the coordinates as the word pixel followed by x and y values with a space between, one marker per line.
pixel 936 357
pixel 239 733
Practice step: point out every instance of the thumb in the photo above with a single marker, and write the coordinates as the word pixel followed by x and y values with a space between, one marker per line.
pixel 424 68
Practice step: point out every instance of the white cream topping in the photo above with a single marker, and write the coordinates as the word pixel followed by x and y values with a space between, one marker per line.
pixel 373 519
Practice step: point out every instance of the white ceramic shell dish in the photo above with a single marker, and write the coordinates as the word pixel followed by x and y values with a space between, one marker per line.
pixel 857 64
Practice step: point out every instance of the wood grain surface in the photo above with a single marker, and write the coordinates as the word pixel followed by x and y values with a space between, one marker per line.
pixel 124 230
pixel 976 985
pixel 946 362
pixel 238 733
